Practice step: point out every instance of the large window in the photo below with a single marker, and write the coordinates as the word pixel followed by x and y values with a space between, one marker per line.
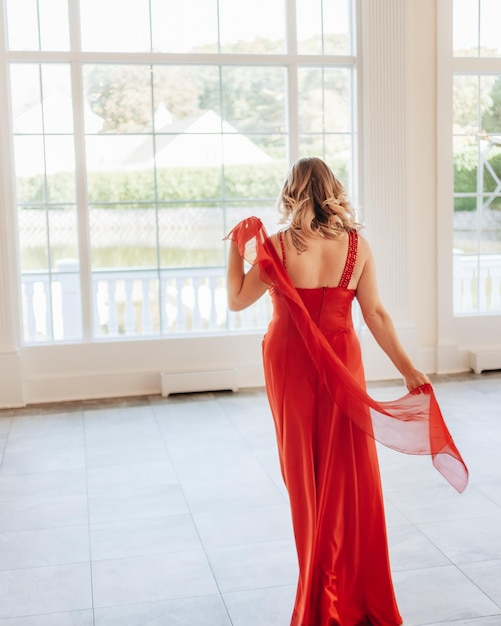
pixel 477 157
pixel 143 130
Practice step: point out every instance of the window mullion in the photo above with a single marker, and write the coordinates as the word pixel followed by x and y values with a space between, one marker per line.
pixel 84 246
pixel 292 83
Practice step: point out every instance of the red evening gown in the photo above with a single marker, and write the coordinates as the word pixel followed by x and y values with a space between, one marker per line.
pixel 326 427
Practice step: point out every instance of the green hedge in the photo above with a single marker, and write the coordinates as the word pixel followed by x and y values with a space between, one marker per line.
pixel 181 184
pixel 242 182
pixel 465 181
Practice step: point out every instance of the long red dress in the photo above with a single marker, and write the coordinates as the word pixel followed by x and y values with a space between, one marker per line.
pixel 326 427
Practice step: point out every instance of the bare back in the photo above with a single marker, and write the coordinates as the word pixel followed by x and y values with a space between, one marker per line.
pixel 321 265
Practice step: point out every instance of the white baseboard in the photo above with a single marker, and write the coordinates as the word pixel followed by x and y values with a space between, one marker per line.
pixel 119 384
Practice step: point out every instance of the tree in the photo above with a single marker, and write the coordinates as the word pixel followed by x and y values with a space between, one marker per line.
pixel 125 96
pixel 491 119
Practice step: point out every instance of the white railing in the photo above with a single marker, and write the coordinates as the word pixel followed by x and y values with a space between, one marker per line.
pixel 477 283
pixel 133 303
pixel 147 302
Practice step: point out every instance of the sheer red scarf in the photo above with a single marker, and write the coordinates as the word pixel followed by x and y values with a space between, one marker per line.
pixel 412 424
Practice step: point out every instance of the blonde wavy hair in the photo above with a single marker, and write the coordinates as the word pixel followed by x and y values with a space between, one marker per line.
pixel 314 202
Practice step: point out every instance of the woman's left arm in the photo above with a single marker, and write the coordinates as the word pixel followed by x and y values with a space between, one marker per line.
pixel 243 288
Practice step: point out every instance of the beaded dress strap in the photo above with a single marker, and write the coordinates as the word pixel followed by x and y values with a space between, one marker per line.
pixel 350 259
pixel 282 245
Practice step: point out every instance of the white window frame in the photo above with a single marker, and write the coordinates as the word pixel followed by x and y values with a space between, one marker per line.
pixel 463 340
pixel 292 61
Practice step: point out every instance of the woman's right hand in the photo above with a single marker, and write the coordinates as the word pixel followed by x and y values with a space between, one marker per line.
pixel 415 379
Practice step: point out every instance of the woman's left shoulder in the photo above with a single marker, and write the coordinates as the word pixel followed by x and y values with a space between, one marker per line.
pixel 363 247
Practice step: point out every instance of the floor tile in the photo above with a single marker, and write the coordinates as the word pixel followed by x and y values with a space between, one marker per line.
pixel 150 501
pixel 442 503
pixel 254 566
pixel 46 424
pixel 271 606
pixel 493 620
pixel 208 610
pixel 410 549
pixel 439 594
pixel 231 494
pixel 138 537
pixel 31 459
pixel 464 541
pixel 42 484
pixel 109 479
pixel 152 578
pixel 36 513
pixel 74 618
pixel 492 490
pixel 393 516
pixel 130 452
pixel 487 575
pixel 50 546
pixel 45 590
pixel 244 526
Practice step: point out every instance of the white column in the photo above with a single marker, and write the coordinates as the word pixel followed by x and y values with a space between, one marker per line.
pixel 11 384
pixel 384 167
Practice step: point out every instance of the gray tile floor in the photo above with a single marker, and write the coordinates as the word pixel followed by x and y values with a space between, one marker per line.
pixel 172 512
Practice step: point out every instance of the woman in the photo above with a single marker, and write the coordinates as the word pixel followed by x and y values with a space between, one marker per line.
pixel 325 422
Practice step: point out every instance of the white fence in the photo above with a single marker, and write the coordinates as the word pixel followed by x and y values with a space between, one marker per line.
pixel 477 284
pixel 147 302
pixel 133 303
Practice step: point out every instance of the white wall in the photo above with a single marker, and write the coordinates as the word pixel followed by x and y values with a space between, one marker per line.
pixel 399 193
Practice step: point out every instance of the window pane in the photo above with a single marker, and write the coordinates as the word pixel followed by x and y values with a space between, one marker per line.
pixel 60 168
pixel 54 31
pixel 123 236
pixel 45 184
pixel 41 99
pixel 182 95
pixel 325 104
pixel 324 27
pixel 476 28
pixel 477 194
pixel 120 168
pixel 194 29
pixel 26 98
pixel 30 168
pixel 115 25
pixel 253 99
pixel 258 181
pixel 490 19
pixel 33 229
pixel 337 27
pixel 62 221
pixel 190 236
pixel 338 154
pixel 118 98
pixel 465 104
pixel 252 27
pixel 174 154
pixel 38 24
pixel 57 103
pixel 200 182
pixel 465 27
pixel 22 21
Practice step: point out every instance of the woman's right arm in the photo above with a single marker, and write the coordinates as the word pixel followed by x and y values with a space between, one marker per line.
pixel 243 288
pixel 380 323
